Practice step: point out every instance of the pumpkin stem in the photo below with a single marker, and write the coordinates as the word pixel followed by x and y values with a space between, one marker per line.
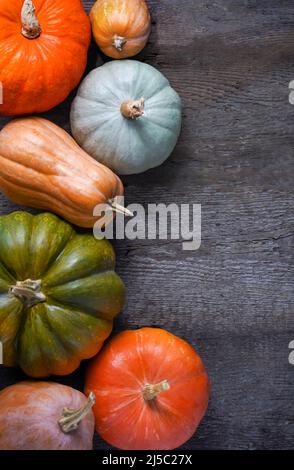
pixel 116 207
pixel 118 42
pixel 132 109
pixel 29 292
pixel 71 419
pixel 31 28
pixel 150 392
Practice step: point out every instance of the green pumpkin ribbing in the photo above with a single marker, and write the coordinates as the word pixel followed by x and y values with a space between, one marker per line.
pixel 58 293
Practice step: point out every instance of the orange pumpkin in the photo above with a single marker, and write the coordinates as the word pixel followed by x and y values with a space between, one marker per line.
pixel 151 390
pixel 121 27
pixel 43 52
pixel 41 166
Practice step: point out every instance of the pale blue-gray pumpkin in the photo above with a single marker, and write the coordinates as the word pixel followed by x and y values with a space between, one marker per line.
pixel 58 294
pixel 127 116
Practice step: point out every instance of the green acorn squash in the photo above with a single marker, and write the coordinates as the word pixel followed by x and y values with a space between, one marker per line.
pixel 58 294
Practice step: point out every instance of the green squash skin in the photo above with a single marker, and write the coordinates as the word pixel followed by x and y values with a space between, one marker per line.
pixel 83 294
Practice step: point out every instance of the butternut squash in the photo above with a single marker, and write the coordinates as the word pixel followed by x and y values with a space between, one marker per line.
pixel 41 166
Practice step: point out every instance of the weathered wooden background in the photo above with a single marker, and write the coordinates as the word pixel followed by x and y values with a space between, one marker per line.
pixel 231 61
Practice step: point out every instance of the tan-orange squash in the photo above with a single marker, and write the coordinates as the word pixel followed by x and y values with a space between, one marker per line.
pixel 41 166
pixel 121 27
pixel 45 416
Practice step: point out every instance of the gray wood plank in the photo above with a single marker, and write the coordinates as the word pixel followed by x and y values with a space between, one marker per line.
pixel 231 61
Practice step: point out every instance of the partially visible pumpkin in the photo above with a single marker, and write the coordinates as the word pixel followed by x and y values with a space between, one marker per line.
pixel 43 52
pixel 151 390
pixel 121 27
pixel 45 416
pixel 41 166
pixel 127 116
pixel 59 294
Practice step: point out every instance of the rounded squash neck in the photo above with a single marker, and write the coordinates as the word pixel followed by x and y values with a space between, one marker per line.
pixel 70 419
pixel 132 109
pixel 28 292
pixel 31 28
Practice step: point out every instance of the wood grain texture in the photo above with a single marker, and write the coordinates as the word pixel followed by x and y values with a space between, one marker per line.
pixel 231 61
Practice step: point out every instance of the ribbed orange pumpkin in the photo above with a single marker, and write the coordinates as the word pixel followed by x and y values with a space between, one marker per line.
pixel 151 390
pixel 43 52
pixel 121 27
pixel 41 166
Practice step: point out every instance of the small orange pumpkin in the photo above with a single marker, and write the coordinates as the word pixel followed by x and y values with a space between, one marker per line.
pixel 43 52
pixel 151 390
pixel 121 27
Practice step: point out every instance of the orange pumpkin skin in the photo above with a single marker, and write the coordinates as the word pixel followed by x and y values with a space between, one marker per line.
pixel 118 376
pixel 121 27
pixel 41 166
pixel 29 415
pixel 37 74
